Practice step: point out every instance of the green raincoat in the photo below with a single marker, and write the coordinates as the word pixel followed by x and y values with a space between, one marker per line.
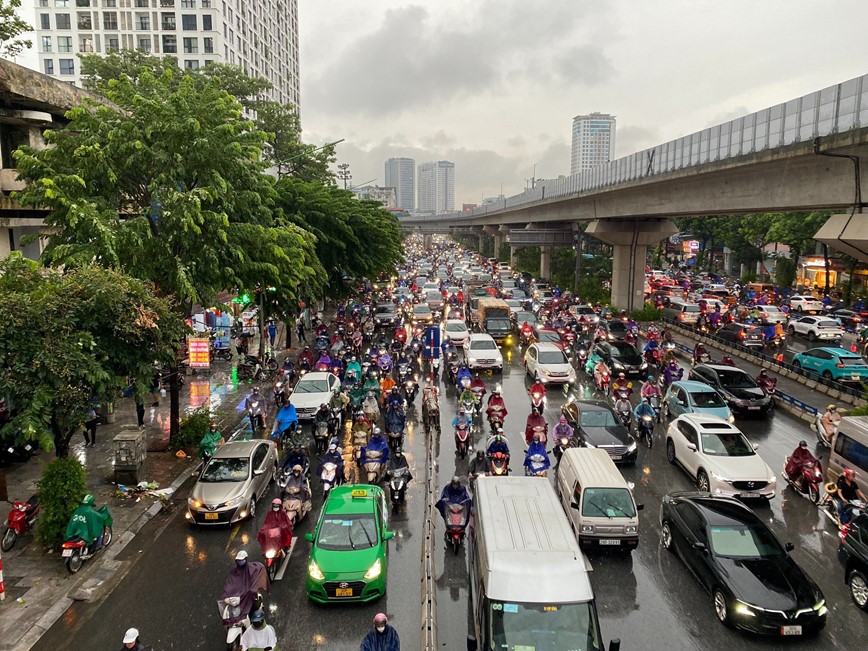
pixel 88 523
pixel 209 443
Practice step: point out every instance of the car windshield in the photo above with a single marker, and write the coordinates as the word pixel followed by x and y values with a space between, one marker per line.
pixel 552 357
pixel 483 344
pixel 601 418
pixel 620 349
pixel 617 326
pixel 386 310
pixel 692 308
pixel 525 317
pixel 851 361
pixel 312 386
pixel 706 399
pixel 498 324
pixel 608 502
pixel 745 541
pixel 736 380
pixel 549 336
pixel 220 470
pixel 347 532
pixel 726 444
pixel 421 309
pixel 523 627
pixel 434 296
pixel 456 327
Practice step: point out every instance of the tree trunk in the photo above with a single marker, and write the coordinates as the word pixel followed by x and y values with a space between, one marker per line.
pixel 61 439
pixel 826 263
pixel 174 402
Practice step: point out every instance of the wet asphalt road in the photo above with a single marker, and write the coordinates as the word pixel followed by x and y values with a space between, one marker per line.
pixel 649 599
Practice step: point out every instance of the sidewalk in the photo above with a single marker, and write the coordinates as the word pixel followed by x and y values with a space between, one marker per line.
pixel 38 587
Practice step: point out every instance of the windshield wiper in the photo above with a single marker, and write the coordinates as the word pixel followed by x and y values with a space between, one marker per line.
pixel 350 537
pixel 600 509
pixel 365 531
pixel 618 508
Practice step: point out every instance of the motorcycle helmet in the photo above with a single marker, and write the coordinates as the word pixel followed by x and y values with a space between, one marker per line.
pixel 496 390
pixel 536 438
pixel 480 455
pixel 650 378
pixel 376 431
pixel 257 619
pixel 380 621
pixel 562 420
pixel 323 405
pixel 621 376
pixel 275 504
pixel 297 469
pixel 456 482
pixel 803 443
pixel 213 426
pixel 88 500
pixel 762 373
pixel 398 452
pixel 832 408
pixel 849 474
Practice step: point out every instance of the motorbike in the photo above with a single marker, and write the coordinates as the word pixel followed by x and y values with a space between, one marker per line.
pixel 537 401
pixel 820 431
pixel 856 507
pixel 478 393
pixel 374 467
pixel 462 440
pixel 646 430
pixel 321 436
pixel 653 357
pixel 498 464
pixel 812 480
pixel 329 477
pixel 768 385
pixel 405 372
pixel 456 524
pixel 581 354
pixel 602 381
pixel 384 363
pixel 495 418
pixel 409 389
pixel 396 439
pixel 255 411
pixel 295 508
pixel 76 551
pixel 469 405
pixel 272 550
pixel 539 465
pixel 21 518
pixel 625 416
pixel 398 485
pixel 655 404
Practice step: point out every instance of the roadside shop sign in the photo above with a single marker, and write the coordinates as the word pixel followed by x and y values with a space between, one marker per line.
pixel 199 352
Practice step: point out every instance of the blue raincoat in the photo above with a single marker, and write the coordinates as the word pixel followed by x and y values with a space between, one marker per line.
pixel 537 448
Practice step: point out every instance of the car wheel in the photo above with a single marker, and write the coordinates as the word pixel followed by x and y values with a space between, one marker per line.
pixel 251 508
pixel 797 365
pixel 274 475
pixel 666 536
pixel 720 607
pixel 812 336
pixel 665 411
pixel 670 451
pixel 858 584
pixel 827 375
pixel 792 331
pixel 702 482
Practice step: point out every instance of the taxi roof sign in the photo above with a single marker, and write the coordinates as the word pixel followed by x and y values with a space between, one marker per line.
pixel 359 492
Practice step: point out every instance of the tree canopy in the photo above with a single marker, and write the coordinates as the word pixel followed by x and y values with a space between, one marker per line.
pixel 11 27
pixel 71 340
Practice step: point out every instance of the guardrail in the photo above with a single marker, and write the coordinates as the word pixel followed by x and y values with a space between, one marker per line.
pixel 429 588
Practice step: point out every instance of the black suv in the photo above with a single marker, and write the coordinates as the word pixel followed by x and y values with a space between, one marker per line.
pixel 853 554
pixel 740 391
pixel 596 425
pixel 386 315
pixel 742 334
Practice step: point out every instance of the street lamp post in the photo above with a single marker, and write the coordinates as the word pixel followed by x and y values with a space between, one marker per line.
pixel 344 173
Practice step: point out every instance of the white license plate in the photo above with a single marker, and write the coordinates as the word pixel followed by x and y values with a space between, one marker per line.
pixel 751 495
pixel 791 630
pixel 753 408
pixel 66 552
pixel 608 541
pixel 617 457
pixel 855 377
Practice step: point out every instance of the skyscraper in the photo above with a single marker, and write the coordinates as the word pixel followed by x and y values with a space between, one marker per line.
pixel 261 36
pixel 401 175
pixel 436 187
pixel 593 141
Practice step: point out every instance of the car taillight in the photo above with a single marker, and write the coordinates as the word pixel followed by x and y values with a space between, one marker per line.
pixel 839 365
pixel 680 315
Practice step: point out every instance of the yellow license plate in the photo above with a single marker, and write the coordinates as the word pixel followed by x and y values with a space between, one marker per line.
pixel 343 592
pixel 212 516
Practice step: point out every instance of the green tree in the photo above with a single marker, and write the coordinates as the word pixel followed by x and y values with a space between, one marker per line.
pixel 70 340
pixel 11 27
pixel 284 148
pixel 167 184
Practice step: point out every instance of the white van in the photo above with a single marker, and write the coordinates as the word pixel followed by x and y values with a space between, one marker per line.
pixel 850 450
pixel 597 499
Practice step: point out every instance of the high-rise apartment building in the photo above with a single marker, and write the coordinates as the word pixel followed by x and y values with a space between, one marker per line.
pixel 436 187
pixel 401 175
pixel 593 141
pixel 261 36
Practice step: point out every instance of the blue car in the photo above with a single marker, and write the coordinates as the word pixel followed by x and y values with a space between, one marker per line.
pixel 689 397
pixel 833 364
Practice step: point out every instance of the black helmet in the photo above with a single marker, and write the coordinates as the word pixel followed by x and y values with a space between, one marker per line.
pixel 456 482
pixel 480 454
pixel 257 618
pixel 398 451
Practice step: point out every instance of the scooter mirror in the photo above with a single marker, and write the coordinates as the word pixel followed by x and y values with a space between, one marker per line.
pixel 388 535
pixel 308 536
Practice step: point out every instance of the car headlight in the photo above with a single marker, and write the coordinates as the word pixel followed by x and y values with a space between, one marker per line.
pixel 644 365
pixel 314 571
pixel 235 501
pixel 632 446
pixel 374 571
pixel 820 607
pixel 617 365
pixel 587 528
pixel 744 609
pixel 730 419
pixel 718 477
pixel 471 360
pixel 194 504
pixel 632 528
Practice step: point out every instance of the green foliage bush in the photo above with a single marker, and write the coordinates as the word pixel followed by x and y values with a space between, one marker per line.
pixel 647 313
pixel 193 427
pixel 63 484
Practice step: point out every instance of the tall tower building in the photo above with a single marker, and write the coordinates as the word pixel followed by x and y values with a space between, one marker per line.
pixel 436 187
pixel 261 36
pixel 401 175
pixel 593 141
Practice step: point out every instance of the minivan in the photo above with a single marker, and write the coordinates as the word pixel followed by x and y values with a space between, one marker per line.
pixel 597 499
pixel 682 311
pixel 850 450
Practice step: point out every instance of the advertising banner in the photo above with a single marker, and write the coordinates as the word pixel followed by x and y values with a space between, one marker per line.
pixel 199 350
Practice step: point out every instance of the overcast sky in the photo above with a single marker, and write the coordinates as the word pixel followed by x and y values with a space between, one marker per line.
pixel 493 85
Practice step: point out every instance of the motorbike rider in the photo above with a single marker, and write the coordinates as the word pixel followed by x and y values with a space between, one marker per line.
pixel 276 519
pixel 496 403
pixel 462 420
pixel 478 464
pixel 796 461
pixel 386 385
pixel 286 419
pixel 462 375
pixel 622 384
pixel 245 580
pixel 830 422
pixel 371 406
pixel 652 332
pixel 354 369
pixel 296 456
pixel 536 447
pixel 212 440
pixel 536 424
pixel 765 380
pixel 622 404
pixel 332 455
pixel 649 388
pixel 498 444
pixel 672 372
pixel 132 642
pixel 322 415
pixel 562 430
pixel 383 637
pixel 256 406
pixel 477 386
pixel 260 635
pixel 377 443
pixel 398 461
pixel 88 523
pixel 454 493
pixel 538 387
pixel 847 491
pixel 305 358
pixel 699 353
pixel 395 417
pixel 644 408
pixel 526 330
pixel 601 370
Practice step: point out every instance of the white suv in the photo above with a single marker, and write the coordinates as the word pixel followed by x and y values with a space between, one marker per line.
pixel 549 363
pixel 480 351
pixel 816 327
pixel 719 457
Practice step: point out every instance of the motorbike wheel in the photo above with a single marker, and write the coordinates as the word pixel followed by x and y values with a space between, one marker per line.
pixel 272 568
pixel 456 544
pixel 74 562
pixel 813 494
pixel 9 539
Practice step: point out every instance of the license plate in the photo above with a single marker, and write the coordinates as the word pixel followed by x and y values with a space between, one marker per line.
pixel 751 495
pixel 617 457
pixel 343 592
pixel 855 377
pixel 607 541
pixel 212 516
pixel 791 630
pixel 753 408
pixel 67 552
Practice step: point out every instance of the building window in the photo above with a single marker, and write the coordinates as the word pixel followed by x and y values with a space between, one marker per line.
pixel 46 44
pixel 43 3
pixel 143 22
pixel 145 44
pixel 188 22
pixel 61 3
pixel 191 65
pixel 63 21
pixel 45 21
pixel 142 3
pixel 64 43
pixel 170 44
pixel 206 4
pixel 112 44
pixel 67 66
pixel 191 46
pixel 110 20
pixel 82 3
pixel 84 20
pixel 167 3
pixel 48 66
pixel 208 45
pixel 109 3
pixel 206 23
pixel 168 21
pixel 188 4
pixel 85 43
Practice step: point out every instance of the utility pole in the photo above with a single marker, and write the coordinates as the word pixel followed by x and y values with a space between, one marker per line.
pixel 344 173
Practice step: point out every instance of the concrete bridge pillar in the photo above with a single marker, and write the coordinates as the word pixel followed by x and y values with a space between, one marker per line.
pixel 512 250
pixel 498 242
pixel 545 262
pixel 427 241
pixel 630 240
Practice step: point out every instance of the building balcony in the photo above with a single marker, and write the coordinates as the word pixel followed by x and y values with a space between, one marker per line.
pixel 9 180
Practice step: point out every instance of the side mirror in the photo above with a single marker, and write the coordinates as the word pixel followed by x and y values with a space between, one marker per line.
pixel 789 547
pixel 615 645
pixel 755 446
pixel 640 507
pixel 309 536
pixel 574 505
pixel 258 472
pixel 388 535
pixel 691 447
pixel 699 546
pixel 680 403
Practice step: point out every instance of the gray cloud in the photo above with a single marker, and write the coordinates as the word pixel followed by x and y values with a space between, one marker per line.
pixel 632 138
pixel 584 64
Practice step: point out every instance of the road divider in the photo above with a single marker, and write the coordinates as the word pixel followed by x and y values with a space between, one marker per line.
pixel 429 593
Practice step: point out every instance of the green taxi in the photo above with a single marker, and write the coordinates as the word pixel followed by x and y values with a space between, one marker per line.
pixel 348 558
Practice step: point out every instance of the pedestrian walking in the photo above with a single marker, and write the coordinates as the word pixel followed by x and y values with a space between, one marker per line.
pixel 131 641
pixel 140 412
pixel 299 331
pixel 272 332
pixel 90 427
pixel 155 390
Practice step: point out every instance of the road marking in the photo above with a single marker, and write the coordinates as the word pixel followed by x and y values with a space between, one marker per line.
pixel 285 563
pixel 235 529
